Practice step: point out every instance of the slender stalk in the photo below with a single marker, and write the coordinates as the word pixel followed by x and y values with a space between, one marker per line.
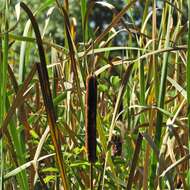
pixel 91 176
pixel 142 65
pixel 3 84
pixel 84 20
pixel 161 98
pixel 147 153
pixel 155 66
pixel 188 88
pixel 134 161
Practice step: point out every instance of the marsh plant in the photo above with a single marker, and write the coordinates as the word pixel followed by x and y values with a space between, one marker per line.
pixel 94 94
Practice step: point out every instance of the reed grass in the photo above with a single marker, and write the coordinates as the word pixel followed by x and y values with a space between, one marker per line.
pixel 162 91
pixel 3 83
pixel 188 83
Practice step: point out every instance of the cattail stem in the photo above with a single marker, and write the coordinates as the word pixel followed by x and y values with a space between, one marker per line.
pixel 91 176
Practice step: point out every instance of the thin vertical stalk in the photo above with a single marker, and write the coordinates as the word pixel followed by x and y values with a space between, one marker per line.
pixel 142 86
pixel 161 97
pixel 134 161
pixel 91 176
pixel 84 20
pixel 163 82
pixel 156 81
pixel 147 152
pixel 155 67
pixel 188 88
pixel 3 84
pixel 141 66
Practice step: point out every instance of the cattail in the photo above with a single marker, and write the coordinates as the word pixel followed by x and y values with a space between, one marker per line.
pixel 90 117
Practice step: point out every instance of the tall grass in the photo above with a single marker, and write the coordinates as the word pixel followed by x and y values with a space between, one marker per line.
pixel 188 84
pixel 46 53
pixel 3 83
pixel 162 90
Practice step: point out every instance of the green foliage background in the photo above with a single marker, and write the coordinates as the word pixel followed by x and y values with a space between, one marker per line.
pixel 140 56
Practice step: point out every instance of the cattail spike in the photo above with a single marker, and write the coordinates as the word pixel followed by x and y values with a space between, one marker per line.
pixel 90 117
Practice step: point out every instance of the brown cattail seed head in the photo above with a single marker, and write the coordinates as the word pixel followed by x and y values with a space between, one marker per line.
pixel 90 117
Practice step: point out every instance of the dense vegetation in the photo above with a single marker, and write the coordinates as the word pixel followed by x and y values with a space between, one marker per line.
pixel 94 94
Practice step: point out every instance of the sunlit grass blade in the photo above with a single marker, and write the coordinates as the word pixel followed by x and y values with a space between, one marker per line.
pixel 154 59
pixel 152 69
pixel 83 4
pixel 23 54
pixel 19 169
pixel 148 151
pixel 142 64
pixel 162 91
pixel 162 94
pixel 188 87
